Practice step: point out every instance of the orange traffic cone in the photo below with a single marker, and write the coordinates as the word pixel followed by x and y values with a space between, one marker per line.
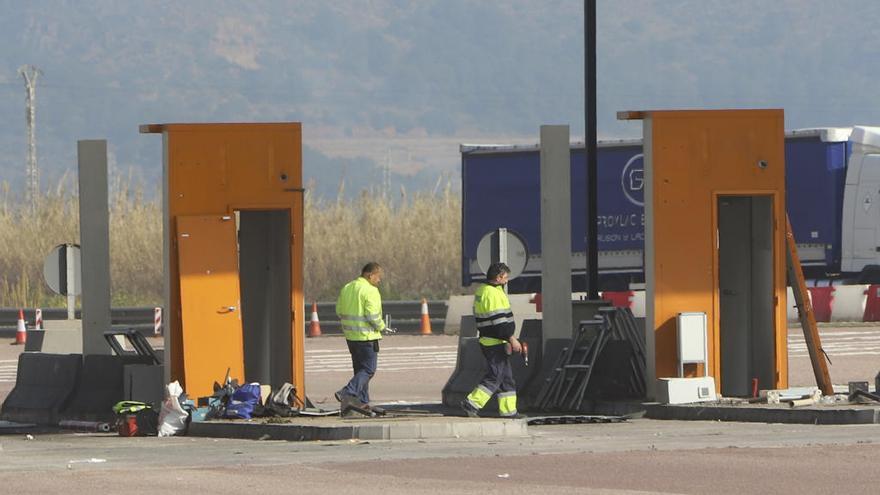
pixel 426 319
pixel 21 330
pixel 315 325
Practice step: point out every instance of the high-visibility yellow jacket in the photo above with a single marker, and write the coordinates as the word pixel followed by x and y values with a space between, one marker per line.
pixel 359 308
pixel 493 315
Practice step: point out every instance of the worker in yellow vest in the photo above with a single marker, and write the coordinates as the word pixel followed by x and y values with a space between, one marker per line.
pixel 496 327
pixel 359 308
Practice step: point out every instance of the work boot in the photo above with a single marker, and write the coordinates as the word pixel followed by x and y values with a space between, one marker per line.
pixel 340 394
pixel 471 411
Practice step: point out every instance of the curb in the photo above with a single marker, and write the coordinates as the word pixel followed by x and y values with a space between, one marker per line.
pixel 836 416
pixel 386 430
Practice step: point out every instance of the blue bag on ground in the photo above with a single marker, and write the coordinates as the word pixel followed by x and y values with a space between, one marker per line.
pixel 243 401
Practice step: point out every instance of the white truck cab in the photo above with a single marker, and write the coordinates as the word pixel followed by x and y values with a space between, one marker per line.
pixel 860 229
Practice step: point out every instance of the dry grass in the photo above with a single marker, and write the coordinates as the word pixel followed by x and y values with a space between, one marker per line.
pixel 417 242
pixel 416 239
pixel 27 236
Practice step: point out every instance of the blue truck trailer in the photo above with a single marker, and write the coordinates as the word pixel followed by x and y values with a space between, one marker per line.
pixel 832 197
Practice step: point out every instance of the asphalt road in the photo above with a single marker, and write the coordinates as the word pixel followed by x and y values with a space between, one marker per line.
pixel 640 456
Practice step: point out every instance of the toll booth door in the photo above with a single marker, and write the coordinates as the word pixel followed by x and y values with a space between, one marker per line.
pixel 209 302
pixel 745 277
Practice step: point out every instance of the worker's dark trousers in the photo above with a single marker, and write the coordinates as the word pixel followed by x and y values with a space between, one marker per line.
pixel 364 356
pixel 498 378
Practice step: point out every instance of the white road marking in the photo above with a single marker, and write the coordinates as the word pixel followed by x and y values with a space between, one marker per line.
pixel 391 359
pixel 8 372
pixel 838 344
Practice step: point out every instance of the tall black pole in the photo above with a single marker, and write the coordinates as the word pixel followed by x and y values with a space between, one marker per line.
pixel 590 149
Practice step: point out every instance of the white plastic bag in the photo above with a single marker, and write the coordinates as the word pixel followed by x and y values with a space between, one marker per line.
pixel 172 418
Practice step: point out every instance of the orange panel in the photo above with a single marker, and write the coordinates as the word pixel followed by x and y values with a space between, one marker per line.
pixel 695 156
pixel 220 168
pixel 210 309
pixel 215 169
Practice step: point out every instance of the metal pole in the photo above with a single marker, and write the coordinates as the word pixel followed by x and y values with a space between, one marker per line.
pixel 502 248
pixel 70 281
pixel 30 75
pixel 590 150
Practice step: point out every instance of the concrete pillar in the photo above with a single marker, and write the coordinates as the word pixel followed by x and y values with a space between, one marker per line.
pixel 94 227
pixel 650 276
pixel 556 232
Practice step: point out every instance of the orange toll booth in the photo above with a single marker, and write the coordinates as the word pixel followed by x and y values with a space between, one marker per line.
pixel 715 242
pixel 233 222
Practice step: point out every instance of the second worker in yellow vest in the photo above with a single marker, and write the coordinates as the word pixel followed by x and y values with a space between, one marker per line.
pixel 495 324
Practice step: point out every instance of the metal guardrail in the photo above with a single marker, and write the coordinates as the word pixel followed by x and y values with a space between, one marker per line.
pixel 405 316
pixel 140 319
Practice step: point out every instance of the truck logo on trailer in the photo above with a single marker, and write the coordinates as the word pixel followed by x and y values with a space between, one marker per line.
pixel 632 180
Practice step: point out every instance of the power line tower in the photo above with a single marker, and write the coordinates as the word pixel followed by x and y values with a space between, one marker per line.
pixel 30 75
pixel 386 177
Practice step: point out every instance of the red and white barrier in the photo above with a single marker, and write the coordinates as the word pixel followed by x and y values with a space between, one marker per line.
pixel 538 301
pixel 622 299
pixel 872 303
pixel 38 319
pixel 157 321
pixel 632 299
pixel 839 303
pixel 830 304
pixel 847 303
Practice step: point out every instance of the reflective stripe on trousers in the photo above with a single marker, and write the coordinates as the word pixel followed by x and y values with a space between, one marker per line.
pixel 507 403
pixel 498 378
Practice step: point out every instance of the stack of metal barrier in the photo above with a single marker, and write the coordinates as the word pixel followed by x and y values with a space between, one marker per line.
pixel 570 377
pixel 631 341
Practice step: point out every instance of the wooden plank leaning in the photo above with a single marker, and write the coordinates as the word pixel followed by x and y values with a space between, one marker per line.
pixel 805 312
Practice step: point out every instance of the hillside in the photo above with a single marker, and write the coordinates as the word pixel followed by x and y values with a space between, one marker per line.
pixel 398 84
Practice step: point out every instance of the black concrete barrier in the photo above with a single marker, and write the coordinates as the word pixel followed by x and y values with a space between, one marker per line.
pixel 44 386
pixel 99 387
pixel 144 383
pixel 529 379
pixel 470 365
